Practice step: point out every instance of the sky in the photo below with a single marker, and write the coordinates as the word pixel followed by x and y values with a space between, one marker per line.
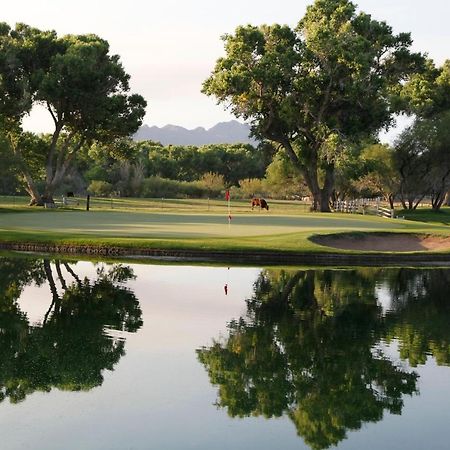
pixel 170 47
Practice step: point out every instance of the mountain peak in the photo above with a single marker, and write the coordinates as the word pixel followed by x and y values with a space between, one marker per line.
pixel 222 133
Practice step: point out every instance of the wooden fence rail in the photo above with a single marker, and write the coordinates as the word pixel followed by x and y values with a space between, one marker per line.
pixel 363 206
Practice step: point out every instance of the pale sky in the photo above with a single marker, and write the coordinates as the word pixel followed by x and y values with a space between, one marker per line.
pixel 169 47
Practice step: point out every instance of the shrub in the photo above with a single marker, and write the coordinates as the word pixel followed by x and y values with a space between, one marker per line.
pixel 100 188
pixel 157 187
pixel 213 183
pixel 253 187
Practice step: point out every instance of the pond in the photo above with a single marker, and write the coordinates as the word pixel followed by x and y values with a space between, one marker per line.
pixel 137 356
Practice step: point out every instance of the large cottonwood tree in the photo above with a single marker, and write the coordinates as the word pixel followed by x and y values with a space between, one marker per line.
pixel 84 88
pixel 315 88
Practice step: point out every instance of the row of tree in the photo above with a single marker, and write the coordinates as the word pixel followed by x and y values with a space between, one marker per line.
pixel 319 94
pixel 209 168
pixel 85 91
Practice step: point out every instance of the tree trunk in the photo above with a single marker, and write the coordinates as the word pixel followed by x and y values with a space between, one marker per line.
pixel 391 201
pixel 310 175
pixel 55 297
pixel 437 201
pixel 321 196
pixel 47 196
pixel 36 198
pixel 447 199
pixel 325 192
pixel 325 200
pixel 418 201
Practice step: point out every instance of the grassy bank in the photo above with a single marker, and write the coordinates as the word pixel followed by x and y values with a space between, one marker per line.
pixel 190 225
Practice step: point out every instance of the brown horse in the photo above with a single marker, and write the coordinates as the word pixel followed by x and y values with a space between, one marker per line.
pixel 260 202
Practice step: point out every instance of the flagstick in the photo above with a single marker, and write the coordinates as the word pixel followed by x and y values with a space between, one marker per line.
pixel 228 199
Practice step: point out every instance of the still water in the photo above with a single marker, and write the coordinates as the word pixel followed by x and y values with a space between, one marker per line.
pixel 133 356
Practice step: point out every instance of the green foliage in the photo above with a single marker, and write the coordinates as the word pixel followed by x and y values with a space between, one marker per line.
pixel 189 163
pixel 96 172
pixel 422 150
pixel 283 180
pixel 303 88
pixel 9 176
pixel 157 187
pixel 83 87
pixel 252 187
pixel 154 187
pixel 379 175
pixel 428 92
pixel 423 160
pixel 212 182
pixel 100 188
pixel 130 179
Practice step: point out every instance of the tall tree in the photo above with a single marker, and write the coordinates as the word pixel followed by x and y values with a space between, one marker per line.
pixel 84 89
pixel 423 158
pixel 315 88
pixel 423 150
pixel 380 174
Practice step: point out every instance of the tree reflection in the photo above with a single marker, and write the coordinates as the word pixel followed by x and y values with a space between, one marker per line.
pixel 419 317
pixel 311 347
pixel 70 349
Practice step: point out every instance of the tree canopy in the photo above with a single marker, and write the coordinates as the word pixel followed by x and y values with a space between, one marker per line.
pixel 423 149
pixel 315 88
pixel 84 88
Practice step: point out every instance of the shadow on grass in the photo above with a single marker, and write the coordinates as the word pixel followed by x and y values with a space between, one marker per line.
pixel 441 216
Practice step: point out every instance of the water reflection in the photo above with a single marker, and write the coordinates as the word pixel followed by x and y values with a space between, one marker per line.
pixel 69 349
pixel 313 346
pixel 419 315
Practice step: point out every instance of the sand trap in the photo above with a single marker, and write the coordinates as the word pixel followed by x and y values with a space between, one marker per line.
pixel 384 242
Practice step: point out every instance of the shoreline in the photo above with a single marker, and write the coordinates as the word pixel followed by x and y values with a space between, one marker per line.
pixel 247 257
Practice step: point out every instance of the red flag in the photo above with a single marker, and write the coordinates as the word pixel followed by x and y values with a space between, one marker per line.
pixel 227 195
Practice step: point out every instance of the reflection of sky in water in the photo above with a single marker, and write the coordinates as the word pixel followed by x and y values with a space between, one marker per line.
pixel 384 297
pixel 159 396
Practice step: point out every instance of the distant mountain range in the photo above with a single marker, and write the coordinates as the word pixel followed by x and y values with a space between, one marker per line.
pixel 222 133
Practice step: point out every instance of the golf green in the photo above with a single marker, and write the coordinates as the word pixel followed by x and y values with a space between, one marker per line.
pixel 154 225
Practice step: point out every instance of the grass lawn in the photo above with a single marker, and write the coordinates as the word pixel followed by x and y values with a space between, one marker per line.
pixel 428 215
pixel 191 224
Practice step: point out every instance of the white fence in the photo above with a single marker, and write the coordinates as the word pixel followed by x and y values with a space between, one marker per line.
pixel 363 206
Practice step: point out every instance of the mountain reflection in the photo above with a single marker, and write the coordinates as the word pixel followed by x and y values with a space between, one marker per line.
pixel 312 346
pixel 69 349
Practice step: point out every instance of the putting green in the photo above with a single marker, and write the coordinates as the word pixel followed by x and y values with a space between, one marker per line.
pixel 169 225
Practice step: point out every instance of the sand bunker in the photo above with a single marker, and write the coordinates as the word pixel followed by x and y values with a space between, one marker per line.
pixel 384 242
